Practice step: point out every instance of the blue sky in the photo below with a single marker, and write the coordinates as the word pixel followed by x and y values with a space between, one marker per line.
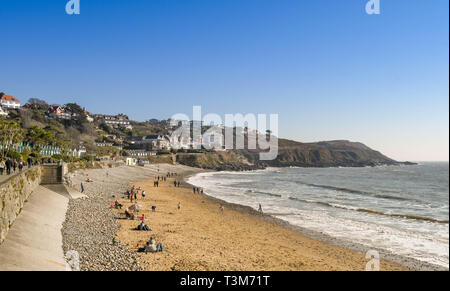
pixel 326 67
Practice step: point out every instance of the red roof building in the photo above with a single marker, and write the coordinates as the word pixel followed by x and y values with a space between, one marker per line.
pixel 9 101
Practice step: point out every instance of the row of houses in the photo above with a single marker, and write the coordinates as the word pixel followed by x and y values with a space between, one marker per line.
pixel 115 121
pixel 153 142
pixel 50 150
pixel 53 111
pixel 141 153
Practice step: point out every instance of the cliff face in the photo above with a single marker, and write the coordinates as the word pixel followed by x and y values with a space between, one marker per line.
pixel 339 153
pixel 220 161
pixel 325 154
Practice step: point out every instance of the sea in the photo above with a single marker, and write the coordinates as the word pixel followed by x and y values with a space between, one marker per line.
pixel 401 209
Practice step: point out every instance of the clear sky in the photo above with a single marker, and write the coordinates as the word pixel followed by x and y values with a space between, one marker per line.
pixel 328 69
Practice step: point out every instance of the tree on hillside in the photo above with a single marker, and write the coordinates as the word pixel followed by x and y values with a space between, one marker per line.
pixel 11 135
pixel 74 108
pixel 64 145
pixel 39 138
pixel 38 103
pixel 79 119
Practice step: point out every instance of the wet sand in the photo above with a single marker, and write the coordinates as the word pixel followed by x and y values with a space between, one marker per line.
pixel 201 237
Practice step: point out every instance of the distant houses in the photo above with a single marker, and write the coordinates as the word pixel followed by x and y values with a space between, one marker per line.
pixel 104 144
pixel 115 121
pixel 9 101
pixel 58 112
pixel 78 152
pixel 154 142
pixel 141 153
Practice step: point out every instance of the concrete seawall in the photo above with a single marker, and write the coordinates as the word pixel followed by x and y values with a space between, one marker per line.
pixel 34 242
pixel 33 206
pixel 14 193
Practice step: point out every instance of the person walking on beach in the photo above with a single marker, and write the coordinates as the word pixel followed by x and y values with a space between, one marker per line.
pixel 222 208
pixel 260 209
pixel 179 205
pixel 30 161
pixel 178 183
pixel 14 164
pixel 82 187
pixel 193 189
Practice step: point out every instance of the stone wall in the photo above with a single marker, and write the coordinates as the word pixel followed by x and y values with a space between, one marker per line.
pixel 14 192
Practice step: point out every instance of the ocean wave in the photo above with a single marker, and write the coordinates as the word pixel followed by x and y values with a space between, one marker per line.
pixel 371 211
pixel 359 192
pixel 264 193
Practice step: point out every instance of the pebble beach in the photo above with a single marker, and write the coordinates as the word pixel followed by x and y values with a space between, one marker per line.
pixel 90 227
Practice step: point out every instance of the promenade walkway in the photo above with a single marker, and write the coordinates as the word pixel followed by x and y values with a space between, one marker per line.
pixel 5 177
pixel 35 240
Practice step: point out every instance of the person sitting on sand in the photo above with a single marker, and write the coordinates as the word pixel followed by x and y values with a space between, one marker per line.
pixel 143 194
pixel 179 205
pixel 117 205
pixel 129 215
pixel 152 248
pixel 153 208
pixel 143 226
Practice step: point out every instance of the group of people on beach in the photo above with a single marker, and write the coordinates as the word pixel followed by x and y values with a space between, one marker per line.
pixel 10 166
pixel 152 247
pixel 197 190
pixel 132 194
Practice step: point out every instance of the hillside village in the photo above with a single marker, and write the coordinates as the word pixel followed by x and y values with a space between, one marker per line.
pixel 71 133
pixel 38 130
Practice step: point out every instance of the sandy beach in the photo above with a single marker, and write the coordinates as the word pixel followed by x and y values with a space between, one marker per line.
pixel 200 236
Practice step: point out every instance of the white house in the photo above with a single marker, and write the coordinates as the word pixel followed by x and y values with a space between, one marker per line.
pixel 116 120
pixel 3 112
pixel 9 101
pixel 131 161
pixel 78 152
